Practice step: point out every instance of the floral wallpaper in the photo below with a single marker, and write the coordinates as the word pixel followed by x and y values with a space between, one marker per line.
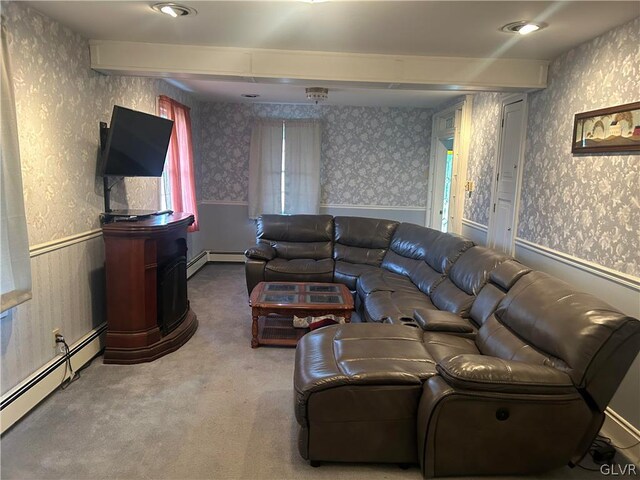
pixel 584 205
pixel 370 156
pixel 482 154
pixel 587 206
pixel 60 102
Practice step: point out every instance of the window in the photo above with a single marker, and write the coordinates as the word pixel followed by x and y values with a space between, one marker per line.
pixel 165 189
pixel 284 167
pixel 177 187
pixel 15 270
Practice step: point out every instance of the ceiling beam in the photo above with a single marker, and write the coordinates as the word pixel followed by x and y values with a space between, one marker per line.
pixel 403 71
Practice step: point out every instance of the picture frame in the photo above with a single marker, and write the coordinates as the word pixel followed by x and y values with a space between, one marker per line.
pixel 608 130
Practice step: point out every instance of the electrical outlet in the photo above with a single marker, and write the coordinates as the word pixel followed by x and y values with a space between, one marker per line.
pixel 56 331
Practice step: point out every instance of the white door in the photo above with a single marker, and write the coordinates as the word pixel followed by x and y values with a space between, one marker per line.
pixel 507 185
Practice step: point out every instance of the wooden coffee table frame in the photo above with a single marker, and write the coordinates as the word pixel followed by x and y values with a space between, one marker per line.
pixel 279 316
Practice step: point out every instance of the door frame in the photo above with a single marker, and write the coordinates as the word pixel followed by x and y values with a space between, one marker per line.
pixel 438 174
pixel 439 131
pixel 461 133
pixel 491 234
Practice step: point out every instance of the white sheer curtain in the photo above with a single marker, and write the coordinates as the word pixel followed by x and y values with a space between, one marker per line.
pixel 265 168
pixel 302 166
pixel 15 266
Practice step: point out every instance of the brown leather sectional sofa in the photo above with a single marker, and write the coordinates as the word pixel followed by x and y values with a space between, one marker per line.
pixel 469 363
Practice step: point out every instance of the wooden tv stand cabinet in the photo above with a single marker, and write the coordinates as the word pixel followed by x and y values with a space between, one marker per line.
pixel 148 313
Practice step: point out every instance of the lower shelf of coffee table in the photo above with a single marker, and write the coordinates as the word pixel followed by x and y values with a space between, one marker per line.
pixel 279 331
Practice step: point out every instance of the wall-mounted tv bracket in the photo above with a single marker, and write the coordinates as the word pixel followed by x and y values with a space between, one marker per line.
pixel 104 133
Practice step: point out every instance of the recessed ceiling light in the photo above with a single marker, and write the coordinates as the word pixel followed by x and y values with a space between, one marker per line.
pixel 250 95
pixel 174 10
pixel 523 27
pixel 528 28
pixel 168 9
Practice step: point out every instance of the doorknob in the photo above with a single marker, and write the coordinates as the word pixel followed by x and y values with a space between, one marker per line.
pixel 509 229
pixel 440 212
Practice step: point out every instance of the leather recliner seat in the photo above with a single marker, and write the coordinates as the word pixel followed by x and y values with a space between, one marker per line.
pixel 503 371
pixel 360 245
pixel 291 248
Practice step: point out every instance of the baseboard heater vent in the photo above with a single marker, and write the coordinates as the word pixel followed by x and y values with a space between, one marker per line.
pixel 226 257
pixel 40 385
pixel 207 256
pixel 196 259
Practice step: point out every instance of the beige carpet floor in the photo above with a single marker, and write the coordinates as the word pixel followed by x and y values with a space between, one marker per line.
pixel 215 409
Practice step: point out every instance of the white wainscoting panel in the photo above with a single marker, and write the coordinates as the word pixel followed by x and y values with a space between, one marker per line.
pixel 623 434
pixel 620 290
pixel 474 231
pixel 68 293
pixel 194 245
pixel 617 288
pixel 225 226
pixel 403 213
pixel 18 401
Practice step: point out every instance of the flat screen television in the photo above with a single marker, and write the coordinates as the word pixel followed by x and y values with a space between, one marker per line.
pixel 136 144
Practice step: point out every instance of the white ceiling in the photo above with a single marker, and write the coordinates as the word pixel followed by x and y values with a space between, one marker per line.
pixel 339 94
pixel 431 28
pixel 449 28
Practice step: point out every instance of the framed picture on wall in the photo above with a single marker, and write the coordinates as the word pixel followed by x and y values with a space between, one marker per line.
pixel 608 130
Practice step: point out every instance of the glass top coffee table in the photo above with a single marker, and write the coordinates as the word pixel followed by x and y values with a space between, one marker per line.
pixel 273 305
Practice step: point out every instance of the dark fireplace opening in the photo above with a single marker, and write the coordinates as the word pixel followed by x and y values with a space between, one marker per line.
pixel 172 294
